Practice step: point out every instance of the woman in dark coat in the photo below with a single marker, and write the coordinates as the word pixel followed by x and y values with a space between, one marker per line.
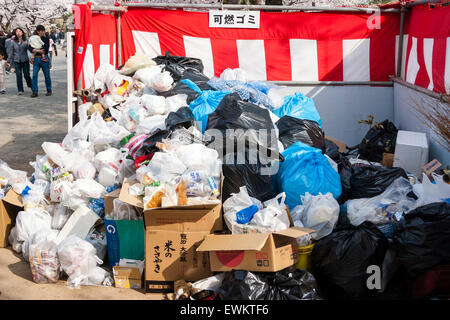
pixel 18 54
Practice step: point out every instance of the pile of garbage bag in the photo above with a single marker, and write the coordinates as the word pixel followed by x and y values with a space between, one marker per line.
pixel 183 139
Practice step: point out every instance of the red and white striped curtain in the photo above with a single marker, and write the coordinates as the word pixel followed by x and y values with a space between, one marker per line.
pixel 288 46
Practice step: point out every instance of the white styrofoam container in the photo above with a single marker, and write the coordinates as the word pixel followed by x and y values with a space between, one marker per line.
pixel 411 151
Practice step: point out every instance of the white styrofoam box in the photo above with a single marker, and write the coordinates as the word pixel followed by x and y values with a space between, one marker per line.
pixel 79 223
pixel 411 151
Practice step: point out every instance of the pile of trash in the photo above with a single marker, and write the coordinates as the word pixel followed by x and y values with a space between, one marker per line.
pixel 178 138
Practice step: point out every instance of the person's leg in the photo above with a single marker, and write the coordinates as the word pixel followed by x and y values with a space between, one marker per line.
pixel 2 83
pixel 50 59
pixel 26 73
pixel 19 77
pixel 34 81
pixel 48 80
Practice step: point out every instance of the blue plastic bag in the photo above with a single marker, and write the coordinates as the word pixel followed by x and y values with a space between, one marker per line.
pixel 205 104
pixel 299 106
pixel 245 215
pixel 305 169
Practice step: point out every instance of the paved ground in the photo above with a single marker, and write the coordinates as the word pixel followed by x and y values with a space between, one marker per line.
pixel 16 284
pixel 25 122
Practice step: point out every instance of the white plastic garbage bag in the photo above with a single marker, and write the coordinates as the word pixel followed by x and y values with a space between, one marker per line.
pixel 234 74
pixel 154 104
pixel 79 260
pixel 164 167
pixel 162 81
pixel 320 213
pixel 198 156
pixel 274 215
pixel 173 103
pixel 12 239
pixel 90 188
pixel 122 211
pixel 428 192
pixel 101 76
pixel 389 205
pixel 237 202
pixel 108 158
pixel 149 125
pixel 30 221
pixel 55 152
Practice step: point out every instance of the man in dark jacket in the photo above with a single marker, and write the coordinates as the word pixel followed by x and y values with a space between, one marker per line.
pixel 38 63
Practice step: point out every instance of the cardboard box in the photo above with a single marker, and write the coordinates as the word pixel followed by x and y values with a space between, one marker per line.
pixel 127 277
pixel 429 168
pixel 264 252
pixel 341 145
pixel 388 160
pixel 10 205
pixel 411 151
pixel 172 237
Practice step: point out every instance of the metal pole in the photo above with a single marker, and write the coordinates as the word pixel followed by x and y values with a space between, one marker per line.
pixel 107 8
pixel 255 7
pixel 119 40
pixel 400 42
pixel 332 83
pixel 417 2
pixel 440 96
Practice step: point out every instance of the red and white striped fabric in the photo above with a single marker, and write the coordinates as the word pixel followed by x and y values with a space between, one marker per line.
pixel 294 46
pixel 427 48
pixel 288 46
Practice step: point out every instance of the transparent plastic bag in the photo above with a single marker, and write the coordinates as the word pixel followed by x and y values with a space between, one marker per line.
pixel 38 236
pixel 149 125
pixel 384 207
pixel 164 167
pixel 197 156
pixel 162 82
pixel 234 74
pixel 101 76
pixel 146 75
pixel 319 212
pixel 44 262
pixel 154 104
pixel 123 211
pixel 108 158
pixel 274 215
pixel 16 178
pixel 60 217
pixel 55 152
pixel 98 240
pixel 79 261
pixel 153 195
pixel 429 192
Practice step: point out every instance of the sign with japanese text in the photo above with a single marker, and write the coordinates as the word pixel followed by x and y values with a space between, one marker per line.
pixel 234 19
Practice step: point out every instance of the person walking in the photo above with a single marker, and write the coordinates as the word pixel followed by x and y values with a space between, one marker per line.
pixel 41 61
pixel 18 55
pixel 2 44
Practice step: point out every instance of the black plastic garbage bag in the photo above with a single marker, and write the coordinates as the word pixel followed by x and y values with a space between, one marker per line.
pixel 183 117
pixel 177 65
pixel 422 238
pixel 245 174
pixel 367 181
pixel 181 88
pixel 287 284
pixel 247 120
pixel 340 260
pixel 293 129
pixel 380 138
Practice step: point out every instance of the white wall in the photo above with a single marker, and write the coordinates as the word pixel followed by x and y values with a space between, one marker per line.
pixel 406 118
pixel 340 108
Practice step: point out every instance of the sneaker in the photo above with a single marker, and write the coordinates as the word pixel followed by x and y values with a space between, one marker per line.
pixel 49 93
pixel 19 93
pixel 34 95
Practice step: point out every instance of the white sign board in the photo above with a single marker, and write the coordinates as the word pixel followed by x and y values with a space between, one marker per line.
pixel 234 19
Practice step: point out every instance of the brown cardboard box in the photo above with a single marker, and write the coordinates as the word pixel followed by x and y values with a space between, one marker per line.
pixel 171 239
pixel 341 145
pixel 265 252
pixel 388 160
pixel 429 168
pixel 109 198
pixel 127 277
pixel 10 205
